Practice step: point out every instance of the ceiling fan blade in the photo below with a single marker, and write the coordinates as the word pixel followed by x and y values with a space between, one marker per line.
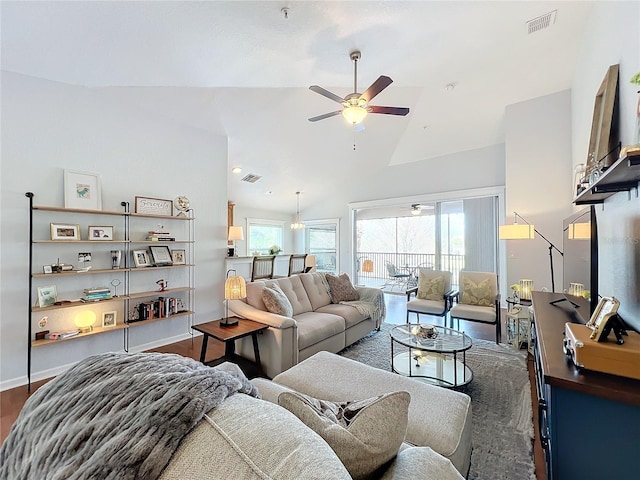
pixel 376 87
pixel 325 115
pixel 389 110
pixel 326 93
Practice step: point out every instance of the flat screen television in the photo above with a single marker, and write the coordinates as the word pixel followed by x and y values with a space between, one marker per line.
pixel 580 254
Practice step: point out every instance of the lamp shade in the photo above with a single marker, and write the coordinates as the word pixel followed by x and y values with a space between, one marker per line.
pixel 235 288
pixel 235 233
pixel 517 231
pixel 579 231
pixel 310 262
pixel 85 320
pixel 354 114
pixel 367 266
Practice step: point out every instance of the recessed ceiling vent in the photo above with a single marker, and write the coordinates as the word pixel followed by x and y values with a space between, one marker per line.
pixel 542 22
pixel 251 178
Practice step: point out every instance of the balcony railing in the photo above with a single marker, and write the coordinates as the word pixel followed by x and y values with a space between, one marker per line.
pixel 407 262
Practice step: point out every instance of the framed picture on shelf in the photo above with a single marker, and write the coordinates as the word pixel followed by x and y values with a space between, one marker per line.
pixel 161 255
pixel 82 190
pixel 141 258
pixel 100 233
pixel 109 319
pixel 47 296
pixel 47 269
pixel 179 257
pixel 154 206
pixel 63 231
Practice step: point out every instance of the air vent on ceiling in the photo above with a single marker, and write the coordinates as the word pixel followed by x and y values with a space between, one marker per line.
pixel 251 178
pixel 542 22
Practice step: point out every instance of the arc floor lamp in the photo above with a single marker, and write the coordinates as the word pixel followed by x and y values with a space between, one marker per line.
pixel 527 231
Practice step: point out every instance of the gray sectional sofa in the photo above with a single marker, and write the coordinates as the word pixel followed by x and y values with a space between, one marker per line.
pixel 316 325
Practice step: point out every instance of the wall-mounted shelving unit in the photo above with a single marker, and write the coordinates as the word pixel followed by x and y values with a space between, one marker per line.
pixel 622 176
pixel 125 299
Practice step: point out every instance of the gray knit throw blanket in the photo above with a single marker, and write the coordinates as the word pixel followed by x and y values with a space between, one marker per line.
pixel 114 416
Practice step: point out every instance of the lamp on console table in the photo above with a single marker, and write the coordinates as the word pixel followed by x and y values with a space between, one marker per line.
pixel 235 288
pixel 310 264
pixel 235 233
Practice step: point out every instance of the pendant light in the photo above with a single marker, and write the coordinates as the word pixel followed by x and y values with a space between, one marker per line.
pixel 297 224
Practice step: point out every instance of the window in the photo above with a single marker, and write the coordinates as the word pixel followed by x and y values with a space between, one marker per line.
pixel 263 234
pixel 322 240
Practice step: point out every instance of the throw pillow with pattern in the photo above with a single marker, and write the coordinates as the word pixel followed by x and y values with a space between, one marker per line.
pixel 477 293
pixel 276 301
pixel 364 434
pixel 341 289
pixel 430 288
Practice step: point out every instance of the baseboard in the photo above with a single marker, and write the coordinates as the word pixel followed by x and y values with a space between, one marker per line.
pixel 53 372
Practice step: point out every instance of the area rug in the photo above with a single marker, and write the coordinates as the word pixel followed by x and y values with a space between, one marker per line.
pixel 501 401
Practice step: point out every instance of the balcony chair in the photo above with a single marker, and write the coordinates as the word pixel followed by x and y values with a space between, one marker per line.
pixel 477 300
pixel 262 267
pixel 432 295
pixel 297 263
pixel 397 277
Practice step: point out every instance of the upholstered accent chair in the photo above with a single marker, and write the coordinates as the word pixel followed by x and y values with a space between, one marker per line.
pixel 297 263
pixel 262 267
pixel 477 300
pixel 432 294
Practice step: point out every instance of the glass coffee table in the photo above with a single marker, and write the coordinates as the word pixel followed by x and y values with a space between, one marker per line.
pixel 440 361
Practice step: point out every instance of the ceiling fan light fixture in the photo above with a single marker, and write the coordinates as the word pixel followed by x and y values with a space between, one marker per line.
pixel 354 114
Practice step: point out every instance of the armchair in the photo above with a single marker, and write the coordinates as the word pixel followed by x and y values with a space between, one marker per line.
pixel 477 300
pixel 432 294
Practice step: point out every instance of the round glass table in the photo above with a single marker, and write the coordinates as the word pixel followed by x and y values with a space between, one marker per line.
pixel 440 361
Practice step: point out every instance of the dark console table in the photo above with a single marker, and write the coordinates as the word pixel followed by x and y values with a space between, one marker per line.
pixel 589 421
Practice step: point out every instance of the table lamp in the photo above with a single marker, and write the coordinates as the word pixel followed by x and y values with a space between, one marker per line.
pixel 310 264
pixel 235 288
pixel 235 233
pixel 85 320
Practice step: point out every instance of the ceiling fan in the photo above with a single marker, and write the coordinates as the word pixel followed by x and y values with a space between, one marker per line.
pixel 356 105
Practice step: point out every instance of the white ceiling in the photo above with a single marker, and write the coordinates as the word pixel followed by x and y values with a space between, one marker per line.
pixel 239 68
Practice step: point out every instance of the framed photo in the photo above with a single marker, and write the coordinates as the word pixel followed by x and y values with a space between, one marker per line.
pixel 154 206
pixel 179 257
pixel 82 190
pixel 141 258
pixel 47 269
pixel 161 255
pixel 47 296
pixel 100 233
pixel 109 319
pixel 63 231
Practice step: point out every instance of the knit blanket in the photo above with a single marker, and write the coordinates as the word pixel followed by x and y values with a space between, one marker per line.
pixel 114 416
pixel 371 304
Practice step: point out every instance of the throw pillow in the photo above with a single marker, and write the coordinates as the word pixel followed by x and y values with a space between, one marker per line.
pixel 276 301
pixel 430 288
pixel 477 293
pixel 341 289
pixel 364 434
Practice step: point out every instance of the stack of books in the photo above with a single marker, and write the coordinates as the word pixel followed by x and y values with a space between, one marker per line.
pixel 160 237
pixel 62 334
pixel 95 294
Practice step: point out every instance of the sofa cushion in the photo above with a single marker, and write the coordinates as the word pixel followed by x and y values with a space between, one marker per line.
pixel 276 301
pixel 341 289
pixel 430 288
pixel 350 314
pixel 424 460
pixel 313 327
pixel 295 292
pixel 253 439
pixel 317 289
pixel 365 434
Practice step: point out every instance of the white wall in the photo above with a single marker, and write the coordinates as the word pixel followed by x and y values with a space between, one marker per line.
pixel 538 184
pixel 612 37
pixel 48 127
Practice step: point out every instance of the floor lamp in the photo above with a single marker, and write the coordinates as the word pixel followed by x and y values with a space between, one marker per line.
pixel 527 231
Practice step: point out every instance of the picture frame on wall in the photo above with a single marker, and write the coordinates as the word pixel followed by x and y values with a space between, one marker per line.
pixel 161 255
pixel 65 231
pixel 47 296
pixel 100 233
pixel 109 319
pixel 179 256
pixel 141 258
pixel 82 190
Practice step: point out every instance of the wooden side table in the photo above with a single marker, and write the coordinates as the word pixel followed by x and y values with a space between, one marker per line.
pixel 229 335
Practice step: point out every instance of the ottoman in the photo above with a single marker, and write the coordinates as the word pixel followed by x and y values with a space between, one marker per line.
pixel 438 418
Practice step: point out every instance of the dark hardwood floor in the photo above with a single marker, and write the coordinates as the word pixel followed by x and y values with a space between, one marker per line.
pixel 11 401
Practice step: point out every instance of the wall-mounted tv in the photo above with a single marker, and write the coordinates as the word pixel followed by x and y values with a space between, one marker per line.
pixel 580 259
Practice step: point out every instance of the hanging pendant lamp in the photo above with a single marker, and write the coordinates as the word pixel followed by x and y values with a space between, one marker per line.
pixel 297 224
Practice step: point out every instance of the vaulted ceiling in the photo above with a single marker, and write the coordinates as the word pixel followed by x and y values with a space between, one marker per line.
pixel 243 68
